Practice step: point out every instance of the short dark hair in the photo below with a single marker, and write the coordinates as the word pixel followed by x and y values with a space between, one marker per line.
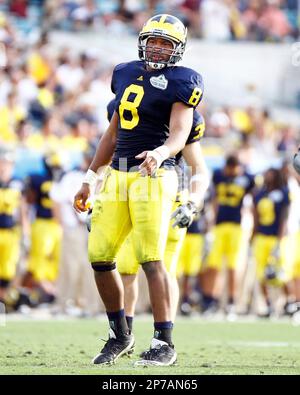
pixel 232 161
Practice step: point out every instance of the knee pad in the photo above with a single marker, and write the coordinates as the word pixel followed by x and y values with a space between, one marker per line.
pixel 97 267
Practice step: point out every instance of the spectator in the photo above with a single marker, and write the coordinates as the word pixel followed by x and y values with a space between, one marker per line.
pixel 273 22
pixel 215 17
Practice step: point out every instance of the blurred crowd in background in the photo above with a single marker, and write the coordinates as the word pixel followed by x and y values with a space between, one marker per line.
pixel 55 100
pixel 261 20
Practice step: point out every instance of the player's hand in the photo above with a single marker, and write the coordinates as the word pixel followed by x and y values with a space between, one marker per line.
pixel 150 164
pixel 184 215
pixel 80 200
pixel 296 161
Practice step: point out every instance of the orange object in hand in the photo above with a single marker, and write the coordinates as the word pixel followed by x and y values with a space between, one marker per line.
pixel 85 207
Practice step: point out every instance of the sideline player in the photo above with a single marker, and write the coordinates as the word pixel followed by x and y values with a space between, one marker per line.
pixel 270 212
pixel 231 184
pixel 184 209
pixel 46 232
pixel 12 213
pixel 152 121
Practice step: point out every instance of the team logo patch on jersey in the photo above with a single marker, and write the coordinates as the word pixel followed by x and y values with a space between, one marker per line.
pixel 159 82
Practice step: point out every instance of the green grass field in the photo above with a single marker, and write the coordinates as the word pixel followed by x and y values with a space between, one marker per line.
pixel 204 347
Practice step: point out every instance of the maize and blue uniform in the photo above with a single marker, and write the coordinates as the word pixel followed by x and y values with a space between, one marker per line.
pixel 227 232
pixel 269 207
pixel 10 201
pixel 127 201
pixel 294 273
pixel 46 233
pixel 193 247
pixel 126 261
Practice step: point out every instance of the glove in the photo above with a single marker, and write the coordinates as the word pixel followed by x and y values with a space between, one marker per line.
pixel 184 215
pixel 88 220
pixel 296 161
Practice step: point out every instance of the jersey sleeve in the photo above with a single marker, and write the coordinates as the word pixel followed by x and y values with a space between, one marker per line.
pixel 113 81
pixel 110 109
pixel 116 75
pixel 190 88
pixel 198 129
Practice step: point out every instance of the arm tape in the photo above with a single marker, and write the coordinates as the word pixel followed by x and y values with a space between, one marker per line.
pixel 90 178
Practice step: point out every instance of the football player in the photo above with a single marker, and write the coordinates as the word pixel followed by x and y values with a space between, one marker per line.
pixel 290 242
pixel 184 209
pixel 231 184
pixel 271 204
pixel 46 232
pixel 153 118
pixel 12 214
pixel 192 257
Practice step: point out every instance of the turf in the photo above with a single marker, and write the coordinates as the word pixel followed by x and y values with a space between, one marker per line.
pixel 204 347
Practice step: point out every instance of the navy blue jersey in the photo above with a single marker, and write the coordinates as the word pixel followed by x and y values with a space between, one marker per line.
pixel 270 206
pixel 110 109
pixel 144 101
pixel 197 130
pixel 10 199
pixel 196 134
pixel 230 192
pixel 41 185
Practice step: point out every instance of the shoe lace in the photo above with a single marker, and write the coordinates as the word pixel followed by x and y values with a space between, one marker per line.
pixel 111 345
pixel 154 352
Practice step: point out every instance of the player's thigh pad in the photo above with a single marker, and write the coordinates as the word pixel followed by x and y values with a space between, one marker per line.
pixel 110 223
pixel 150 202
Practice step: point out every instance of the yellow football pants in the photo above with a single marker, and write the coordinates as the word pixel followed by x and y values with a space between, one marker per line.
pixel 191 253
pixel 227 244
pixel 129 202
pixel 9 253
pixel 43 263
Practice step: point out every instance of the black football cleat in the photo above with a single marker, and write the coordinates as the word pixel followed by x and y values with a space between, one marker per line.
pixel 160 354
pixel 114 348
